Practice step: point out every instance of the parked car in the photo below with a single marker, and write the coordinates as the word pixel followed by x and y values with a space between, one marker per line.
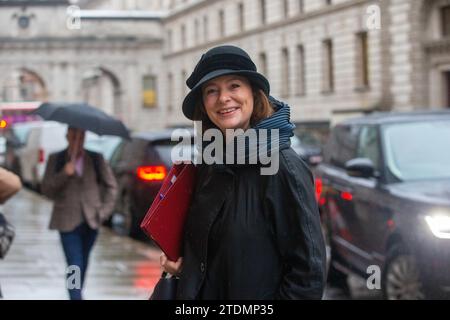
pixel 30 145
pixel 3 142
pixel 140 166
pixel 106 145
pixel 311 153
pixel 383 191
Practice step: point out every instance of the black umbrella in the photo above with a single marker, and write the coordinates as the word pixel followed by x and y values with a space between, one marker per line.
pixel 83 116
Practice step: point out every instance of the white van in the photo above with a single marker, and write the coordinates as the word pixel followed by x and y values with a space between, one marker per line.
pixel 41 138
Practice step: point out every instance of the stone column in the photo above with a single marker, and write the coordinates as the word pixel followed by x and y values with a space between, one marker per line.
pixel 131 98
pixel 400 51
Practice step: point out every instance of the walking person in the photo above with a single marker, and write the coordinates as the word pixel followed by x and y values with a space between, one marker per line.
pixel 84 190
pixel 247 235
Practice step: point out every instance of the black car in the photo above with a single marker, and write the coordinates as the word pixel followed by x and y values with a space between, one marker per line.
pixel 384 195
pixel 311 153
pixel 140 166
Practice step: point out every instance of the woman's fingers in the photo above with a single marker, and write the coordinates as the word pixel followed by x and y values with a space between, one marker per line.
pixel 169 266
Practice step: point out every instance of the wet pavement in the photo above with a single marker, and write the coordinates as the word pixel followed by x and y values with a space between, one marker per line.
pixel 34 268
pixel 120 268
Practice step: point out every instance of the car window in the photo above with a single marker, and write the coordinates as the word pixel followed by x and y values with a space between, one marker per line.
pixel 342 145
pixel 161 150
pixel 2 144
pixel 418 150
pixel 133 153
pixel 21 133
pixel 105 145
pixel 54 138
pixel 369 145
pixel 117 154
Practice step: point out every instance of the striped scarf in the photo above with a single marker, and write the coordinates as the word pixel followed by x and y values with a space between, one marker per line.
pixel 279 120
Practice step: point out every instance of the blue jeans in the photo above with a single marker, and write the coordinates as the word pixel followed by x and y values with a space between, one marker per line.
pixel 77 245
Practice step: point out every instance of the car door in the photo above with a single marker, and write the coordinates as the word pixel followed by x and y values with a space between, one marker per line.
pixel 339 188
pixel 371 199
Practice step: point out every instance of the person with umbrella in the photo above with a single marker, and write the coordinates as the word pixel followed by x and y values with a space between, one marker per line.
pixel 83 189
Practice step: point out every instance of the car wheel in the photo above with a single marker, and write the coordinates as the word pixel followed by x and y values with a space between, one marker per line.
pixel 401 277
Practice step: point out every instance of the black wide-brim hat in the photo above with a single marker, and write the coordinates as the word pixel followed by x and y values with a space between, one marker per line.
pixel 221 61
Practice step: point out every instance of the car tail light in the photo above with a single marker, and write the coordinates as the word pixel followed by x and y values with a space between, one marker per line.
pixel 347 196
pixel 41 156
pixel 151 173
pixel 319 187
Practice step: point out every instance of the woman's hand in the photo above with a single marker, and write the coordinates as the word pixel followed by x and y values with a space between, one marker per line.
pixel 174 268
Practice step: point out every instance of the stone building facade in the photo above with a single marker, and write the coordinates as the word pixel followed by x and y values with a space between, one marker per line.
pixel 329 59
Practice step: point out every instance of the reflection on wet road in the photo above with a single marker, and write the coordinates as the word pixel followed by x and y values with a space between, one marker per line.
pixel 120 268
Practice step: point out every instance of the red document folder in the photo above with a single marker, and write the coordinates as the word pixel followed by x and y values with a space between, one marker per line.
pixel 165 219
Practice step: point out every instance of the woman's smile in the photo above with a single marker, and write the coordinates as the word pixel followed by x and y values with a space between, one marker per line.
pixel 228 112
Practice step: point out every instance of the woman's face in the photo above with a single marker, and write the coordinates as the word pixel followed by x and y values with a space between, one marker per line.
pixel 228 101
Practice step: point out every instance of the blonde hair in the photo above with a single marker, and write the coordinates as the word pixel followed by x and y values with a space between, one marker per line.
pixel 262 109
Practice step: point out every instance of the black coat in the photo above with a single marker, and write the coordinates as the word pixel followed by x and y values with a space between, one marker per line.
pixel 249 236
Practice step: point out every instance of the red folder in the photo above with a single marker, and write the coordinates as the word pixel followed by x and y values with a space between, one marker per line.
pixel 165 219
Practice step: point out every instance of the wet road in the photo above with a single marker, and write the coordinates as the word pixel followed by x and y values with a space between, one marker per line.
pixel 120 268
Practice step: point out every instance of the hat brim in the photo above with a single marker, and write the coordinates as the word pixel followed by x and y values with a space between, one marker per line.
pixel 255 78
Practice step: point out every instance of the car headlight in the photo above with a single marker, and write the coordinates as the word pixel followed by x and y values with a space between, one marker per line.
pixel 439 225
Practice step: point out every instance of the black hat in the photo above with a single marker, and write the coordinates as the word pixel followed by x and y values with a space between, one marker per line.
pixel 220 61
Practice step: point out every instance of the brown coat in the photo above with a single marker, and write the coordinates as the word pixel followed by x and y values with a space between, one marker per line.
pixel 79 198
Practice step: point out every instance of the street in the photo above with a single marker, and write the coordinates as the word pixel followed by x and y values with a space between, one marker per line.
pixel 120 268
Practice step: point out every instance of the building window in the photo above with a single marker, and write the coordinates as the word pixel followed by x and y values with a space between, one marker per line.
pixel 285 4
pixel 327 66
pixel 169 40
pixel 263 63
pixel 205 28
pixel 262 6
pixel 183 36
pixel 170 92
pixel 301 6
pixel 328 2
pixel 362 60
pixel 221 23
pixel 285 77
pixel 196 31
pixel 241 16
pixel 149 91
pixel 445 12
pixel 300 71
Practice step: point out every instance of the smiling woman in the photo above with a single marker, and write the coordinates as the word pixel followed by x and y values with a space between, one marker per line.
pixel 248 234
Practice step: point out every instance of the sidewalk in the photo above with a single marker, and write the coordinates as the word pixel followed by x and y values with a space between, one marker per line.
pixel 120 268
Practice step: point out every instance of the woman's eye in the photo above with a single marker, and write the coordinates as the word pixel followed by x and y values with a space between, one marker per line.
pixel 210 91
pixel 235 85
